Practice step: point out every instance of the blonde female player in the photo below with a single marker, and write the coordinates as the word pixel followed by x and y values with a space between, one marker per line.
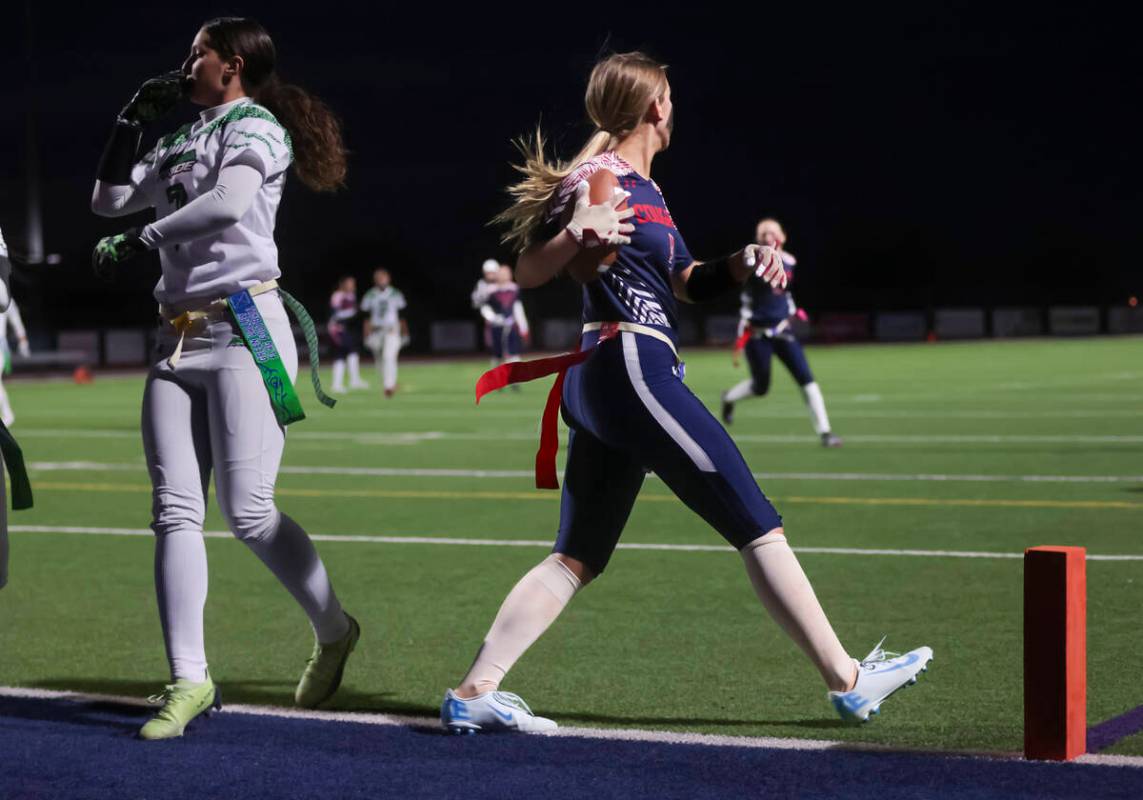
pixel 215 186
pixel 628 408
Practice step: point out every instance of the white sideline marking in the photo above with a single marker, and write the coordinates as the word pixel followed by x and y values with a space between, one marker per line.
pixel 612 734
pixel 417 437
pixel 457 541
pixel 408 472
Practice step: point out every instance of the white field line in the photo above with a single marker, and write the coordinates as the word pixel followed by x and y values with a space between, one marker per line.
pixel 547 543
pixel 607 734
pixel 417 437
pixel 419 472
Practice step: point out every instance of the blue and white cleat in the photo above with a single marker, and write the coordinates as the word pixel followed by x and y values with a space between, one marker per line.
pixel 491 712
pixel 879 674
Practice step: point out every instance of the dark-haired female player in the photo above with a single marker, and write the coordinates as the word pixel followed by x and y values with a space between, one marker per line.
pixel 222 394
pixel 628 408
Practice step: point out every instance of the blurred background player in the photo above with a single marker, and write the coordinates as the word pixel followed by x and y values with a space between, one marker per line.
pixel 343 333
pixel 505 321
pixel 627 408
pixel 767 315
pixel 5 299
pixel 10 321
pixel 488 272
pixel 385 328
pixel 216 186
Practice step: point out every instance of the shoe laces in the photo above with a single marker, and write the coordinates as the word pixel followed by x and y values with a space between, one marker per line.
pixel 878 654
pixel 510 699
pixel 163 697
pixel 166 699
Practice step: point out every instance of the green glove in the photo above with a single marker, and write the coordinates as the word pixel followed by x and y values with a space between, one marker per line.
pixel 111 251
pixel 155 98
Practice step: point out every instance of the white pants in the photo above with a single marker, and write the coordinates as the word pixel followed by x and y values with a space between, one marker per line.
pixel 212 413
pixel 385 356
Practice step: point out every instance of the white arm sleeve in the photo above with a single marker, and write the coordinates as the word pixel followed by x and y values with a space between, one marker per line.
pixel 225 204
pixel 111 200
pixel 119 200
pixel 491 316
pixel 521 320
pixel 16 321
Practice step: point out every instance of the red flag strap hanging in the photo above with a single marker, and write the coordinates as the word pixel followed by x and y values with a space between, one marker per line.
pixel 743 338
pixel 523 371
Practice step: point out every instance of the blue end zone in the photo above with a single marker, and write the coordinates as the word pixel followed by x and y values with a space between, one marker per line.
pixel 68 749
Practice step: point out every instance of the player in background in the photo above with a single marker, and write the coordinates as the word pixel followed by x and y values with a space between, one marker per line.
pixel 504 317
pixel 627 407
pixel 342 313
pixel 208 405
pixel 10 319
pixel 385 328
pixel 767 314
pixel 488 272
pixel 5 300
pixel 11 458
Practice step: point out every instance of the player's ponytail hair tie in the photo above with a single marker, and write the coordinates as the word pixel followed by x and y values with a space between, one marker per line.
pixel 315 131
pixel 621 88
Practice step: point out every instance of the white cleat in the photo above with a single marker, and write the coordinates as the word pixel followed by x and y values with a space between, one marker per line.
pixel 879 674
pixel 491 712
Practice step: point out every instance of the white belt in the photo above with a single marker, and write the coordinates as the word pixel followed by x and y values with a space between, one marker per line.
pixel 214 310
pixel 634 327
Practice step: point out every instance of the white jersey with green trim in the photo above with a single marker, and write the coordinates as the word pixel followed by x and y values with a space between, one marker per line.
pixel 184 165
pixel 384 307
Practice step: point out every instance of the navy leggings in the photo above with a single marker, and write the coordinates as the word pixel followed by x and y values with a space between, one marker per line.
pixel 630 413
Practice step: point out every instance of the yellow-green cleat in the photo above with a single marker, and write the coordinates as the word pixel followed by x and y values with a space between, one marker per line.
pixel 325 667
pixel 181 702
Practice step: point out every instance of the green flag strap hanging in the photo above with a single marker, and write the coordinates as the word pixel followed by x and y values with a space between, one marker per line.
pixel 310 333
pixel 283 398
pixel 14 460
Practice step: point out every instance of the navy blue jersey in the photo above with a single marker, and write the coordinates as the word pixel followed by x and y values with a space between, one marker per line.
pixel 637 288
pixel 502 298
pixel 764 306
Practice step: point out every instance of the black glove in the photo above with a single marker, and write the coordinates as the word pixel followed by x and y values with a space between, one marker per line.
pixel 155 98
pixel 111 251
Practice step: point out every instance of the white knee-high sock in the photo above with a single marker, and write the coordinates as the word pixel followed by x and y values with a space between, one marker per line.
pixel 339 374
pixel 740 391
pixel 5 406
pixel 816 403
pixel 354 362
pixel 180 585
pixel 287 550
pixel 532 605
pixel 786 593
pixel 3 527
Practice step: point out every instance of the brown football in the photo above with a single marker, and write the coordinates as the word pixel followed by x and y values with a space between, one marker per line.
pixel 584 268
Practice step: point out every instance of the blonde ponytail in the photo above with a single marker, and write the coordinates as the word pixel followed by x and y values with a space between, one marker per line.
pixel 619 92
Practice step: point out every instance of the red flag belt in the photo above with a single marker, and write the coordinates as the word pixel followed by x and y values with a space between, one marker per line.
pixel 524 371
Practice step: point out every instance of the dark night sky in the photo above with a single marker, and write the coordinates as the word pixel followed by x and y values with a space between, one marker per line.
pixel 918 156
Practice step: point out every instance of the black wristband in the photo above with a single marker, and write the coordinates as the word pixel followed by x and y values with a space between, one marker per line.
pixel 710 279
pixel 120 154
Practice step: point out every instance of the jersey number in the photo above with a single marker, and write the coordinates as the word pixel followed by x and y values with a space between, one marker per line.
pixel 177 195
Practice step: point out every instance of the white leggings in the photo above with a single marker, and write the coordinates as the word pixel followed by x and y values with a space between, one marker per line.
pixel 212 413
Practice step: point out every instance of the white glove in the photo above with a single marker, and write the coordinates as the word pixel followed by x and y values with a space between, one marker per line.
pixel 23 349
pixel 767 264
pixel 600 225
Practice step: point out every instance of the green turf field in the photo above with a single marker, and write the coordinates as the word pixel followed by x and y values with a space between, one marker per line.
pixel 667 639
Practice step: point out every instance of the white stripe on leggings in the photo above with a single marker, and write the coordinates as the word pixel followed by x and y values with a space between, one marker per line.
pixel 668 423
